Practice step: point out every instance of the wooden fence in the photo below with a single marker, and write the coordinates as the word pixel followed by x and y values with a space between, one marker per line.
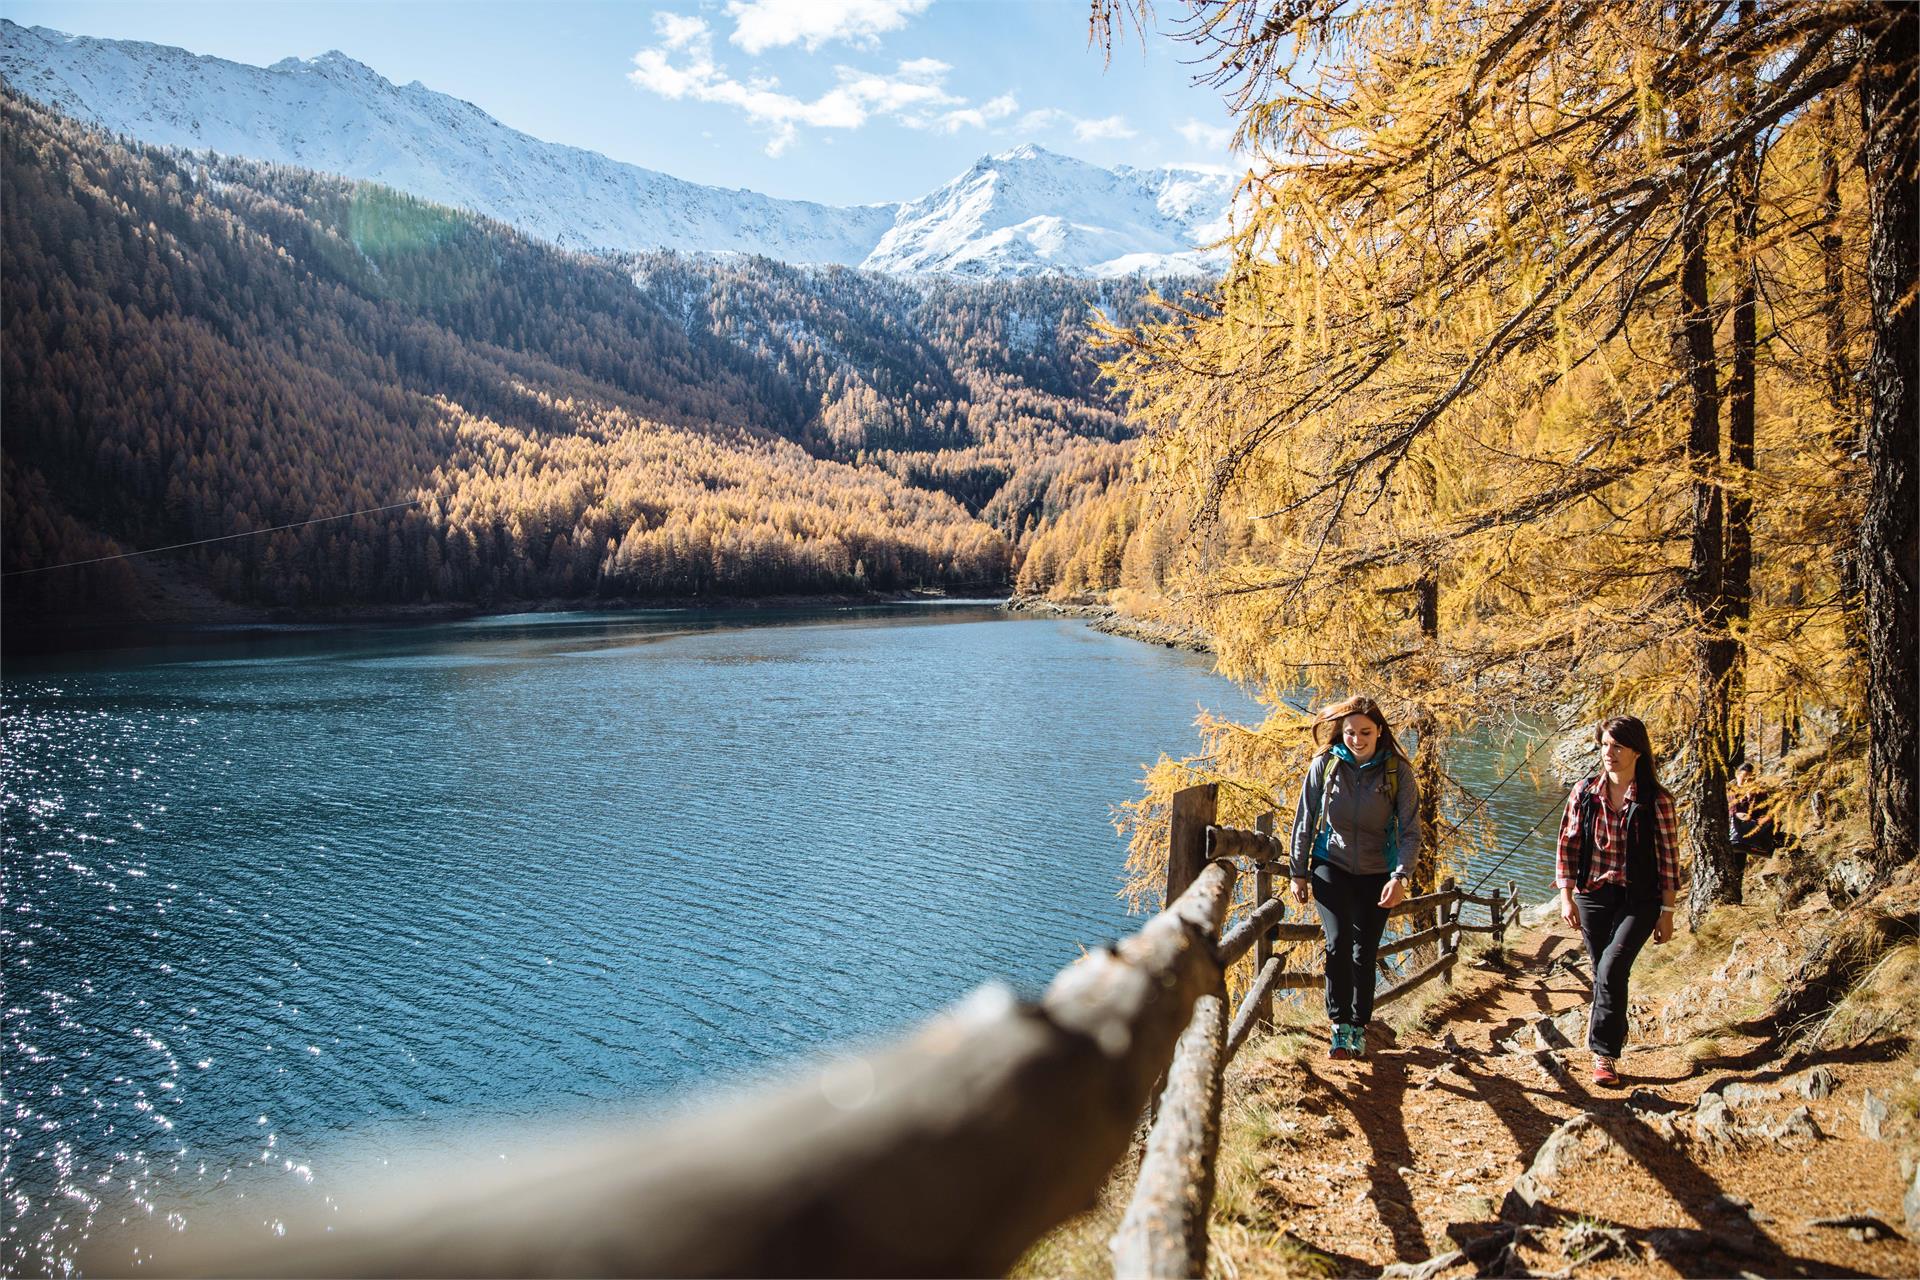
pixel 948 1153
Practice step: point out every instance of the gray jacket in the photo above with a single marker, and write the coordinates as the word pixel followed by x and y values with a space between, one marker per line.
pixel 1351 805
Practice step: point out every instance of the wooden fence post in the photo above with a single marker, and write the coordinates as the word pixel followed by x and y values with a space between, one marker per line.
pixel 1449 913
pixel 1263 945
pixel 1193 813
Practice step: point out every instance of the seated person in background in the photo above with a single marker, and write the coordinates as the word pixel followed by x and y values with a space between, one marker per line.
pixel 1750 822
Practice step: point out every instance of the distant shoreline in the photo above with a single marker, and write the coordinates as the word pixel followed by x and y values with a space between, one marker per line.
pixel 36 638
pixel 238 622
pixel 1110 620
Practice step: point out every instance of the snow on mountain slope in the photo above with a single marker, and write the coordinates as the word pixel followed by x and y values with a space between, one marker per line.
pixel 1030 210
pixel 1023 212
pixel 339 116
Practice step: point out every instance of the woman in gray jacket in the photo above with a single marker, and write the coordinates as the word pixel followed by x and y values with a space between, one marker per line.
pixel 1356 836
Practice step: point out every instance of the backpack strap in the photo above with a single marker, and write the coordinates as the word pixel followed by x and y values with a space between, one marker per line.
pixel 1392 766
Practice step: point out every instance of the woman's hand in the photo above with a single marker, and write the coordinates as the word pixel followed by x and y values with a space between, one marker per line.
pixel 1301 889
pixel 1394 893
pixel 1663 927
pixel 1568 914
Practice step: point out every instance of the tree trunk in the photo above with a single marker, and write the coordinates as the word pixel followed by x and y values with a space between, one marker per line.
pixel 1833 278
pixel 1715 877
pixel 1738 587
pixel 1889 536
pixel 1427 772
pixel 1842 397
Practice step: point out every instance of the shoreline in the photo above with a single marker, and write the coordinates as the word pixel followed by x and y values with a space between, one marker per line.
pixel 1105 618
pixel 39 639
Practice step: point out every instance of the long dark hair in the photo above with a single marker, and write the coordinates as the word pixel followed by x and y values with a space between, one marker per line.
pixel 1358 705
pixel 1631 734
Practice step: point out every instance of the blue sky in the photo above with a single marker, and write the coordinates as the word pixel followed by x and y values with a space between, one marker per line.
pixel 842 101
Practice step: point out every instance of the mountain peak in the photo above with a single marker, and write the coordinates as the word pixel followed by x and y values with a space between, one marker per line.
pixel 1022 211
pixel 332 62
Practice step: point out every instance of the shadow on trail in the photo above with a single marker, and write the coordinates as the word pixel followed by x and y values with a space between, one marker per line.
pixel 1725 1239
pixel 1376 1100
pixel 1770 1049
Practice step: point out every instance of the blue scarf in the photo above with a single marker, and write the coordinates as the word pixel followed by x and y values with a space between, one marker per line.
pixel 1340 752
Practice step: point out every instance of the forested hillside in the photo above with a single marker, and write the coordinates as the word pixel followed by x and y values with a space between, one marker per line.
pixel 198 347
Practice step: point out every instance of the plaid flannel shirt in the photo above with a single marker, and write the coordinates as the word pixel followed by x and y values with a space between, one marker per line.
pixel 1608 864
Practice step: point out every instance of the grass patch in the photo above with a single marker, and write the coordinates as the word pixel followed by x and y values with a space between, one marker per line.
pixel 1700 1050
pixel 1240 1252
pixel 1882 1003
pixel 1078 1246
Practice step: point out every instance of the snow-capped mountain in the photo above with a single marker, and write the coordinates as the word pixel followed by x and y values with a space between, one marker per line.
pixel 1030 210
pixel 1022 212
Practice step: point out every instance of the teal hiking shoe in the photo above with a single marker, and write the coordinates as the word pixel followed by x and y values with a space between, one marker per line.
pixel 1338 1048
pixel 1356 1042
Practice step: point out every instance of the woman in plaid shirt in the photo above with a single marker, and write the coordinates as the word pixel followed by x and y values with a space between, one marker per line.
pixel 1619 873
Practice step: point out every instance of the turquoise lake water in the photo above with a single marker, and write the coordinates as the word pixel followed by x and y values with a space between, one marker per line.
pixel 277 906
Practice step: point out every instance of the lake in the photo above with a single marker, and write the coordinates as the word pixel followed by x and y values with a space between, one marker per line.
pixel 289 903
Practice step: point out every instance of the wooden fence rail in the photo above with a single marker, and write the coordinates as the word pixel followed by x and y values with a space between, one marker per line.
pixel 948 1153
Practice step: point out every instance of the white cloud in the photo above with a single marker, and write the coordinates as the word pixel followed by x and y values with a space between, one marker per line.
pixel 1046 119
pixel 1108 127
pixel 770 24
pixel 977 117
pixel 683 66
pixel 1040 120
pixel 1199 133
pixel 676 31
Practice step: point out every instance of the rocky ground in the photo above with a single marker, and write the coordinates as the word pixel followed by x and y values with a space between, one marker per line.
pixel 1481 1148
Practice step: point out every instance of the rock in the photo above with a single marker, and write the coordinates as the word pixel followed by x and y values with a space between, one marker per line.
pixel 1574 1142
pixel 1661 1126
pixel 1712 1120
pixel 1473 1209
pixel 1863 1227
pixel 1873 1114
pixel 1555 1069
pixel 1331 1127
pixel 1797 1128
pixel 1737 1207
pixel 1847 879
pixel 1740 1094
pixel 1817 1083
pixel 1424 1270
pixel 1911 1204
pixel 1545 1035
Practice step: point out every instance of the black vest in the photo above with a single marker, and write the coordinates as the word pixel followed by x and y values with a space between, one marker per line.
pixel 1643 867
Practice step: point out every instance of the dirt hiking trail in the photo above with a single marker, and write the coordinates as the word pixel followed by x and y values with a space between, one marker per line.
pixel 1482 1148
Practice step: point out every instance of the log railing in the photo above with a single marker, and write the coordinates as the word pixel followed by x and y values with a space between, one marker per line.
pixel 948 1153
pixel 1177 1172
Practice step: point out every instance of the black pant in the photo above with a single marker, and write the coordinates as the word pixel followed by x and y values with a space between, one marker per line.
pixel 1353 919
pixel 1615 927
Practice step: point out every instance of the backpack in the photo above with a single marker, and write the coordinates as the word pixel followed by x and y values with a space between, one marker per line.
pixel 1392 766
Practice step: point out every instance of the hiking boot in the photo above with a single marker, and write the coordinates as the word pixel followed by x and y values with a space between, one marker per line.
pixel 1357 1041
pixel 1604 1074
pixel 1337 1047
